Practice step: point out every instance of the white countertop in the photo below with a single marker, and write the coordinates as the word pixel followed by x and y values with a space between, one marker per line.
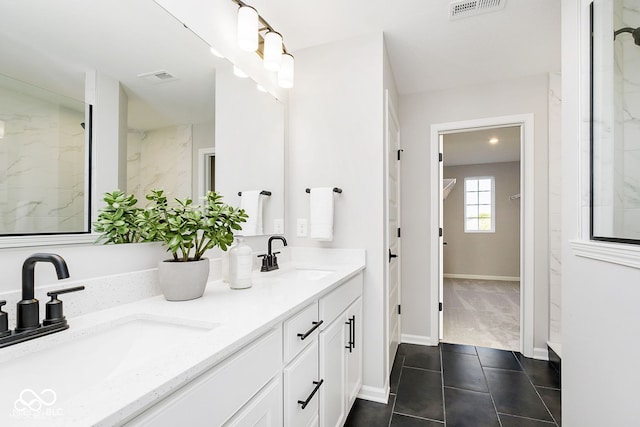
pixel 111 396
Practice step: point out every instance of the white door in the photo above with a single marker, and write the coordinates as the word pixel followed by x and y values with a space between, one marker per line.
pixel 440 238
pixel 393 229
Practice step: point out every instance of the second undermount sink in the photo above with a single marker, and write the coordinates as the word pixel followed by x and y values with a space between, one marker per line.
pixel 304 274
pixel 81 359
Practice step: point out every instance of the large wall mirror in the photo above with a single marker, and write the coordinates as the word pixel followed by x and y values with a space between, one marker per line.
pixel 175 101
pixel 615 121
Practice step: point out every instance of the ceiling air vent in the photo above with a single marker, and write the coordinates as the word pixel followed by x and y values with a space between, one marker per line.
pixel 464 8
pixel 160 76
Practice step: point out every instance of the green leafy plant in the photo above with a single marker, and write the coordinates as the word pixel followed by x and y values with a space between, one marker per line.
pixel 188 230
pixel 118 220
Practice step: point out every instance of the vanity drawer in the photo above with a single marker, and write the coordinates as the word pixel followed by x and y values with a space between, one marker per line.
pixel 300 330
pixel 216 395
pixel 337 301
pixel 301 385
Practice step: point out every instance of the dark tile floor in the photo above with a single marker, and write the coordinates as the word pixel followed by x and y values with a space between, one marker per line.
pixel 464 386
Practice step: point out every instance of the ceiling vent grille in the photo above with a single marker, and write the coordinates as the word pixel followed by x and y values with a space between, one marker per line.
pixel 464 8
pixel 160 76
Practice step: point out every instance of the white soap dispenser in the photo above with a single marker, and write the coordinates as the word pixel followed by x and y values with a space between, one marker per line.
pixel 224 262
pixel 240 265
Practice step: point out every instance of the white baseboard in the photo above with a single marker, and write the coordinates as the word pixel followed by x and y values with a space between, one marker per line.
pixel 540 353
pixel 374 394
pixel 481 277
pixel 556 346
pixel 418 339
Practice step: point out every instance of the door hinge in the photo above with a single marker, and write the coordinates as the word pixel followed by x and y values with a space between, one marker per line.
pixel 440 232
pixel 399 309
pixel 400 150
pixel 440 307
pixel 398 231
pixel 440 157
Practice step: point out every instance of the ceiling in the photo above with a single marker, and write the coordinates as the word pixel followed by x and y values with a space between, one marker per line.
pixel 52 44
pixel 428 51
pixel 473 147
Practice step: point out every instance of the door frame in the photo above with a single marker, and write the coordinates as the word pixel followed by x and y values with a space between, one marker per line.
pixel 526 123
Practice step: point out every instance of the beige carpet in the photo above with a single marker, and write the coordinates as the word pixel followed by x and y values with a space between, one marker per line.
pixel 482 312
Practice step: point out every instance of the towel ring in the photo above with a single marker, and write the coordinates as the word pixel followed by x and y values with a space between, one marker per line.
pixel 263 192
pixel 335 190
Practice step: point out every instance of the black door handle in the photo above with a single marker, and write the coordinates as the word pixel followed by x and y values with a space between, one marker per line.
pixel 392 255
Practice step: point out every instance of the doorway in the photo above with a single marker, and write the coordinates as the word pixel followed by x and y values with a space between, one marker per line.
pixel 481 237
pixel 525 125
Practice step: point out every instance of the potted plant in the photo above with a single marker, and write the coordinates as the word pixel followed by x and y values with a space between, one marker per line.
pixel 117 221
pixel 186 229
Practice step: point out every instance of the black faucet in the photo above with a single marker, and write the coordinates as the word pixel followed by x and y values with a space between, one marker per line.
pixel 28 311
pixel 270 260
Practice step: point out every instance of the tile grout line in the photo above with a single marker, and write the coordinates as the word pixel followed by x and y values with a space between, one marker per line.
pixel 393 407
pixel 420 418
pixel 422 369
pixel 444 407
pixel 493 402
pixel 527 418
pixel 536 390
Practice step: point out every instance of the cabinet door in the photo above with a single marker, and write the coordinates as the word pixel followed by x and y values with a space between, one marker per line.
pixel 333 352
pixel 301 384
pixel 354 355
pixel 264 410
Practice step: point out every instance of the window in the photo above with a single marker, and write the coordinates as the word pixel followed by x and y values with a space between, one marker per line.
pixel 479 204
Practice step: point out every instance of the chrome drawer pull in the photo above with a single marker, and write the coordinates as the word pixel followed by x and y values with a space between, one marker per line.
pixel 315 326
pixel 304 403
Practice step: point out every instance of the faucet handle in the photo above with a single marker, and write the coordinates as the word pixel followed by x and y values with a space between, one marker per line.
pixel 4 321
pixel 265 262
pixel 53 308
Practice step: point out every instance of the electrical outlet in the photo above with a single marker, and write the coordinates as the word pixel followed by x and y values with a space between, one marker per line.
pixel 301 229
pixel 278 226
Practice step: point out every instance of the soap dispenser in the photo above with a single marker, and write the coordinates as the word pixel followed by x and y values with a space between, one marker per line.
pixel 240 265
pixel 224 262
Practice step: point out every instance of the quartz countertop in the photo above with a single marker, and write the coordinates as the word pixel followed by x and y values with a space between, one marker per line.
pixel 225 319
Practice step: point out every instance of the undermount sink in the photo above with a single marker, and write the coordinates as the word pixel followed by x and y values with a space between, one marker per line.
pixel 304 274
pixel 77 360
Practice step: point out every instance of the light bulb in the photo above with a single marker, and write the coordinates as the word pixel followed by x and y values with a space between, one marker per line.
pixel 248 29
pixel 272 51
pixel 214 52
pixel 285 75
pixel 239 73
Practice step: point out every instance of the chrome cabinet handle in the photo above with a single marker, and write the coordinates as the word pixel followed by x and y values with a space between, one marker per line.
pixel 315 326
pixel 304 403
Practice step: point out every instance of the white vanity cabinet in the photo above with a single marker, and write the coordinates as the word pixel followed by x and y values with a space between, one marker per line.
pixel 340 351
pixel 303 372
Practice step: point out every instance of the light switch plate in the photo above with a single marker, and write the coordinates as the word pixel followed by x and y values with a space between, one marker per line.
pixel 301 229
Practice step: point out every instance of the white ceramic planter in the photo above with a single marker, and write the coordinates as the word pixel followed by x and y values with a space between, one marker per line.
pixel 183 281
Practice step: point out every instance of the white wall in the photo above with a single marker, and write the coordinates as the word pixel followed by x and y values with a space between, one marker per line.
pixel 483 254
pixel 417 113
pixel 336 139
pixel 600 315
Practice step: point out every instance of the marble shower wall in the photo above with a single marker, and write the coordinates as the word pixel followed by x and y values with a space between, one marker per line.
pixel 160 159
pixel 627 72
pixel 555 209
pixel 42 165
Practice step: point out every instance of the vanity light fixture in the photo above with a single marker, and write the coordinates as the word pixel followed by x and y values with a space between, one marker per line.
pixel 247 28
pixel 256 35
pixel 494 141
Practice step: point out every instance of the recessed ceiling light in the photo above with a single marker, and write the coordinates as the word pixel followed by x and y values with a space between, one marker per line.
pixel 493 141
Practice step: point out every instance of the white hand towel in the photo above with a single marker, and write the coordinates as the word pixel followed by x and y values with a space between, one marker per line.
pixel 251 202
pixel 321 214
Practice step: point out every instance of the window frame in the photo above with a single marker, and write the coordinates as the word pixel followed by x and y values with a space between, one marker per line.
pixel 493 203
